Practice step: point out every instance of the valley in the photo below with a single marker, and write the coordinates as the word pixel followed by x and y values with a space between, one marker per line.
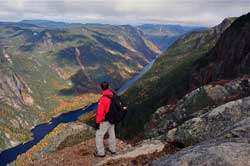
pixel 49 68
pixel 190 106
pixel 48 71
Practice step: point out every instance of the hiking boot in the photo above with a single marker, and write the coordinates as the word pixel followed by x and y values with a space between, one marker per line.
pixel 98 155
pixel 111 151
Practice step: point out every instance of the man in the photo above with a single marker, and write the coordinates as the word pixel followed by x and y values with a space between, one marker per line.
pixel 103 126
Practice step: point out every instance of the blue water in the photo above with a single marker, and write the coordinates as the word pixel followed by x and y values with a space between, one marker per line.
pixel 135 78
pixel 40 131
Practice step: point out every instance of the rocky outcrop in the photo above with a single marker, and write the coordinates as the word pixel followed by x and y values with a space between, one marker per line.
pixel 11 88
pixel 240 129
pixel 213 119
pixel 72 134
pixel 211 124
pixel 225 152
pixel 196 103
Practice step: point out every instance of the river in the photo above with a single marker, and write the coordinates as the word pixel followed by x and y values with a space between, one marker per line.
pixel 40 131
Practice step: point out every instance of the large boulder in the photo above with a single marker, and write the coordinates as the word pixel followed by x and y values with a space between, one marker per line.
pixel 240 129
pixel 223 152
pixel 211 124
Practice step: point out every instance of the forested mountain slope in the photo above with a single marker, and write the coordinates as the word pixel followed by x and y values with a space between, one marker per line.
pixel 169 77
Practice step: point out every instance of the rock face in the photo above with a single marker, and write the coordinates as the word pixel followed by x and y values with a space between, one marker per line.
pixel 240 129
pixel 225 152
pixel 196 103
pixel 213 119
pixel 226 129
pixel 212 123
pixel 14 95
pixel 229 58
pixel 11 88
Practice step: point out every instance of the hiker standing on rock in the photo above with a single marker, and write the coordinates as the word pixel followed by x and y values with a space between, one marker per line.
pixel 102 124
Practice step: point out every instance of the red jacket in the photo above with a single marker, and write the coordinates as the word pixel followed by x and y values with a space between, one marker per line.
pixel 103 106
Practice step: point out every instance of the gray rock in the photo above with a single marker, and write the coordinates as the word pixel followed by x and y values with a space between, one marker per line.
pixel 211 124
pixel 225 152
pixel 11 88
pixel 195 104
pixel 239 130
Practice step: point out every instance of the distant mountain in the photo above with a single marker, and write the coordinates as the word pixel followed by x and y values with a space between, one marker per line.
pixel 161 35
pixel 51 24
pixel 168 79
pixel 169 30
pixel 165 35
pixel 45 71
pixel 230 57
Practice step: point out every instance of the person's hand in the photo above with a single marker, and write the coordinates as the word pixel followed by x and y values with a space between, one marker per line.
pixel 97 126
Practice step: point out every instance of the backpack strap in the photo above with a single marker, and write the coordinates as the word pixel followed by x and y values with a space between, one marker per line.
pixel 108 96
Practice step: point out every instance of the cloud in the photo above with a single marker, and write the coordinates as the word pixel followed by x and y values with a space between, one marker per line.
pixel 205 12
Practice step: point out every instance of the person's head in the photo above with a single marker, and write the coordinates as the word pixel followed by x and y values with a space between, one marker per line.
pixel 104 85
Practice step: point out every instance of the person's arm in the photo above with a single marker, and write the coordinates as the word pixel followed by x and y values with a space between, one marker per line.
pixel 100 112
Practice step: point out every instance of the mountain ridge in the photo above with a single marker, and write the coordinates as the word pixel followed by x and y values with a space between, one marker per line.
pixel 162 35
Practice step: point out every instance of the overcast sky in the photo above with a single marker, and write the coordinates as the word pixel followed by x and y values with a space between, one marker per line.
pixel 193 12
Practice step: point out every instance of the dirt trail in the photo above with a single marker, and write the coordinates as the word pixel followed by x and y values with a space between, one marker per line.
pixel 77 155
pixel 82 155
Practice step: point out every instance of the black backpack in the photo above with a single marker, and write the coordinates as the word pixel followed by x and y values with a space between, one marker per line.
pixel 117 110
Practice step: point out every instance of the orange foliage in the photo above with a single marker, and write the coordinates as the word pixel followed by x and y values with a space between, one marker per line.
pixel 43 116
pixel 75 103
pixel 21 136
pixel 86 117
pixel 152 46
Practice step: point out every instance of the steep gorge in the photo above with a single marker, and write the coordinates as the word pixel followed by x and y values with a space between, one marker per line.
pixel 46 71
